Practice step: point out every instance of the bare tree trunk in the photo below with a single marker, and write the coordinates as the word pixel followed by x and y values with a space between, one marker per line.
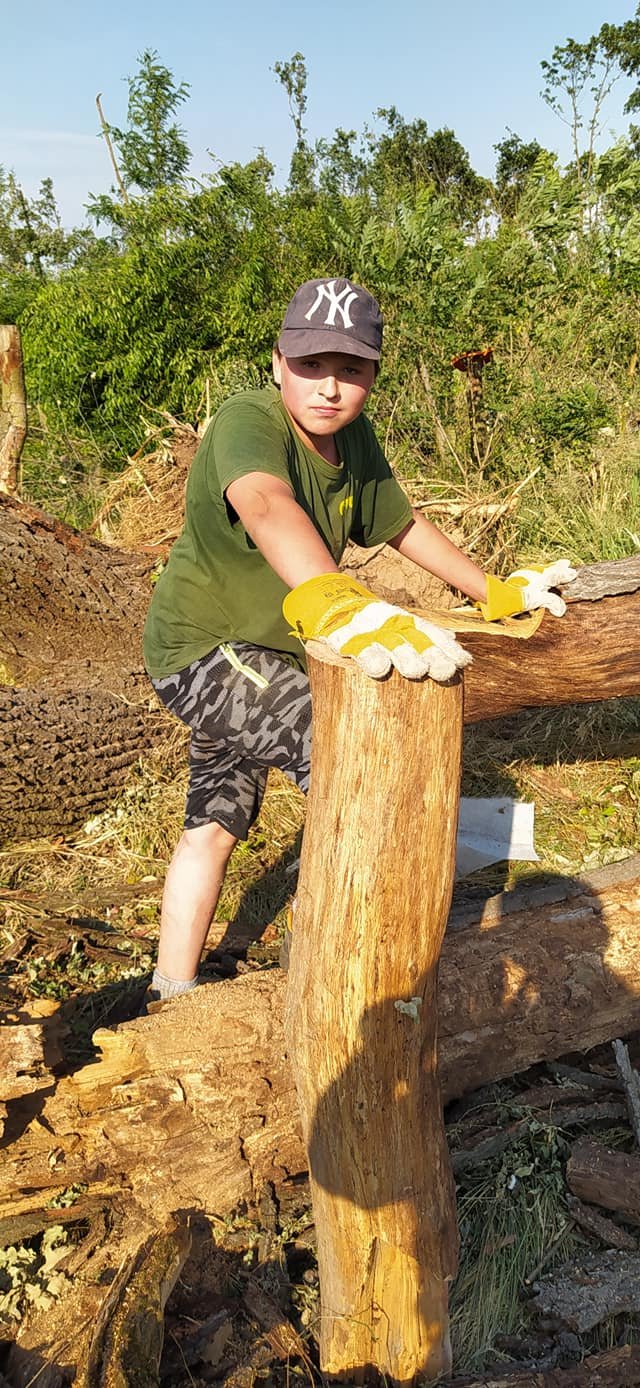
pixel 373 896
pixel 107 139
pixel 13 407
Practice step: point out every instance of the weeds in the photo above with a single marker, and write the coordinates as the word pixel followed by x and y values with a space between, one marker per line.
pixel 510 1217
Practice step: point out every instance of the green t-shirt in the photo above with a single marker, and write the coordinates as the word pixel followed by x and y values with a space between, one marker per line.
pixel 217 586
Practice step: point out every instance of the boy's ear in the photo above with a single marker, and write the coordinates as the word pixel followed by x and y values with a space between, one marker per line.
pixel 276 364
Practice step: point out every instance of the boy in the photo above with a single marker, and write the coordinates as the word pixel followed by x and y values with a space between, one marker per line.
pixel 284 477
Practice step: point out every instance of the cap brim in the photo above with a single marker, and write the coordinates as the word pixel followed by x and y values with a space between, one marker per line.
pixel 299 342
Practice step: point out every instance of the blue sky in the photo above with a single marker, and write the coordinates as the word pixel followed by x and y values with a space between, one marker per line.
pixel 472 66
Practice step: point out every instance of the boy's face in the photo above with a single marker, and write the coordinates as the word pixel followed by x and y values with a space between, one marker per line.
pixel 323 393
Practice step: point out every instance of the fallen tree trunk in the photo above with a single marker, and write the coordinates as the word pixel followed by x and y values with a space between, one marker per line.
pixel 200 1097
pixel 591 653
pixel 76 708
pixel 77 711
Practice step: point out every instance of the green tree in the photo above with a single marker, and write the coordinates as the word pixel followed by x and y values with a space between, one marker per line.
pixel 342 170
pixel 152 150
pixel 292 75
pixel 514 164
pixel 621 44
pixel 405 157
pixel 34 245
pixel 578 73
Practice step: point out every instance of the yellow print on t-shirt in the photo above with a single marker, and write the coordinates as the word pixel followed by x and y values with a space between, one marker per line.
pixel 346 505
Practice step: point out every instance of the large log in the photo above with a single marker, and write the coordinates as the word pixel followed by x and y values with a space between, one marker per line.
pixel 76 708
pixel 592 653
pixel 375 884
pixel 77 711
pixel 199 1098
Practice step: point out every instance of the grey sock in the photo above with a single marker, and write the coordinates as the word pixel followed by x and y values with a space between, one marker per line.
pixel 171 987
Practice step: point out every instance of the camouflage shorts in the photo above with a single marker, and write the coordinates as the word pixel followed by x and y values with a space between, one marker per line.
pixel 247 709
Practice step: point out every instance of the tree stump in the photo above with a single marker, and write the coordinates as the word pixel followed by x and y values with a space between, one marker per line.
pixel 13 406
pixel 374 891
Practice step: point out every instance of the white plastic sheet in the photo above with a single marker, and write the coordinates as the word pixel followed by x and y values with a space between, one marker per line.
pixel 494 830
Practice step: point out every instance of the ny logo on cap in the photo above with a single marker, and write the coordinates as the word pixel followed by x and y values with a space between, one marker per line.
pixel 338 303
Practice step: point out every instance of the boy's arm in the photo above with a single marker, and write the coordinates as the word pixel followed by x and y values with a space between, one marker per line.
pixel 423 543
pixel 522 591
pixel 280 528
pixel 328 606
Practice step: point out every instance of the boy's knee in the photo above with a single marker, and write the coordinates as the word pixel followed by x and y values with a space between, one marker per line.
pixel 207 839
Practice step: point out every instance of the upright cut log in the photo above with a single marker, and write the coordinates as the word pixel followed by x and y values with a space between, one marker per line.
pixel 374 890
pixel 13 406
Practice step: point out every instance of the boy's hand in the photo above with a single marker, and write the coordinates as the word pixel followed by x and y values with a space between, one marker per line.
pixel 342 612
pixel 525 590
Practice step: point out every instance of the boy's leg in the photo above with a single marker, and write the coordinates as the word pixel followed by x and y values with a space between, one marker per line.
pixel 192 887
pixel 240 727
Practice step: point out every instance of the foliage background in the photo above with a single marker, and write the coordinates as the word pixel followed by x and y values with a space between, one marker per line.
pixel 176 297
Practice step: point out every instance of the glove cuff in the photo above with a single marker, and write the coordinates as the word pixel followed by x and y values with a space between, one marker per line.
pixel 504 599
pixel 316 606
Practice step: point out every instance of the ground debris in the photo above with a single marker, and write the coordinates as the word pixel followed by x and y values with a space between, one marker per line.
pixel 616 1368
pixel 610 1234
pixel 631 1084
pixel 582 1294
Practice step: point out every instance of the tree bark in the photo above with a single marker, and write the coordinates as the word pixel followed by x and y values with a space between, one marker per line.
pixel 13 407
pixel 76 708
pixel 601 1177
pixel 77 711
pixel 375 884
pixel 591 653
pixel 614 1368
pixel 199 1098
pixel 580 1295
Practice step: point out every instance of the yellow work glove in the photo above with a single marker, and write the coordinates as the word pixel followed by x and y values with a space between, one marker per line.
pixel 354 622
pixel 525 590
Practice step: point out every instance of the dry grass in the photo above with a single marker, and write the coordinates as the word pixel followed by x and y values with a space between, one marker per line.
pixel 581 767
pixel 144 505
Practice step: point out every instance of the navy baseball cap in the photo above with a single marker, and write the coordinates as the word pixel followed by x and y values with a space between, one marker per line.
pixel 332 316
